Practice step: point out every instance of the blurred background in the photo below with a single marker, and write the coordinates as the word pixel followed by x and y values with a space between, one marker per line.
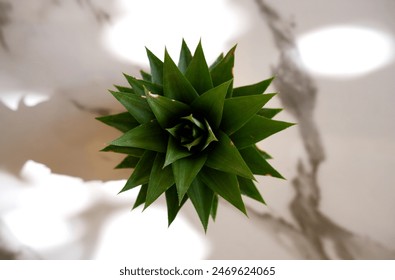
pixel 335 66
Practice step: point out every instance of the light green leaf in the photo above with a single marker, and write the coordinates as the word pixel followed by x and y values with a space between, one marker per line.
pixel 225 157
pixel 123 121
pixel 136 152
pixel 174 152
pixel 185 171
pixel 254 89
pixel 136 105
pixel 128 162
pixel 175 85
pixel 257 163
pixel 198 73
pixel 141 173
pixel 147 136
pixel 224 184
pixel 166 110
pixel 156 66
pixel 210 135
pixel 202 199
pixel 211 103
pixel 160 180
pixel 173 207
pixel 185 57
pixel 223 70
pixel 257 129
pixel 248 188
pixel 214 207
pixel 141 196
pixel 239 110
pixel 269 112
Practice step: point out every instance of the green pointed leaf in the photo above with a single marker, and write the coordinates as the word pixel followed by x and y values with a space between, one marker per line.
pixel 185 171
pixel 211 103
pixel 146 76
pixel 124 89
pixel 147 136
pixel 185 57
pixel 257 163
pixel 175 85
pixel 173 207
pixel 248 188
pixel 269 112
pixel 156 66
pixel 254 89
pixel 136 105
pixel 214 207
pixel 210 136
pixel 136 152
pixel 166 110
pixel 264 154
pixel 198 73
pixel 141 173
pixel 174 152
pixel 239 110
pixel 224 184
pixel 223 70
pixel 123 121
pixel 160 180
pixel 226 157
pixel 153 88
pixel 257 129
pixel 202 199
pixel 216 61
pixel 141 196
pixel 135 84
pixel 128 162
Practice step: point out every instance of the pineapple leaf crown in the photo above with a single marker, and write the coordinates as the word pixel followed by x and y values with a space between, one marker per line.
pixel 188 133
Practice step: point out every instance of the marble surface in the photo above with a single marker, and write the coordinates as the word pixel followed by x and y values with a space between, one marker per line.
pixel 55 67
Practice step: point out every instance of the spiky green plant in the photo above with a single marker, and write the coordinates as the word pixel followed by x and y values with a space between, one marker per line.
pixel 189 134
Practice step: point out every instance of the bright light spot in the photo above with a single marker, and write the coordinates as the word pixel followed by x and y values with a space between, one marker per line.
pixel 345 51
pixel 146 237
pixel 157 23
pixel 30 99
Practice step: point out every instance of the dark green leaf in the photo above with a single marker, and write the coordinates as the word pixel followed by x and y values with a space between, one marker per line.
pixel 146 76
pixel 254 89
pixel 141 173
pixel 147 136
pixel 211 104
pixel 257 129
pixel 198 73
pixel 135 84
pixel 174 152
pixel 214 207
pixel 224 184
pixel 175 85
pixel 124 89
pixel 226 157
pixel 123 121
pixel 216 61
pixel 239 110
pixel 223 70
pixel 166 110
pixel 248 188
pixel 210 135
pixel 264 154
pixel 156 66
pixel 269 112
pixel 173 207
pixel 153 88
pixel 160 180
pixel 136 105
pixel 128 162
pixel 185 171
pixel 202 199
pixel 185 57
pixel 257 163
pixel 124 150
pixel 141 196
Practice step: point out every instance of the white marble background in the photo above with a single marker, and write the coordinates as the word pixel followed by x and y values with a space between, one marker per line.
pixel 335 62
